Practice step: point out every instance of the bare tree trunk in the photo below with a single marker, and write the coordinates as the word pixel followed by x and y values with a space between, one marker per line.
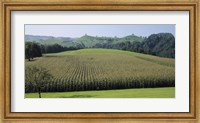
pixel 39 90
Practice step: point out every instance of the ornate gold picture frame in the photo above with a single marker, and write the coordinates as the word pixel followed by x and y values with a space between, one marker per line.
pixel 19 5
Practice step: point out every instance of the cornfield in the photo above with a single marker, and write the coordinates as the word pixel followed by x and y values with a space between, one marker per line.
pixel 101 69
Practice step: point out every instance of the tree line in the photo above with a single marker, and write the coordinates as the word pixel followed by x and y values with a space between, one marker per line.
pixel 34 49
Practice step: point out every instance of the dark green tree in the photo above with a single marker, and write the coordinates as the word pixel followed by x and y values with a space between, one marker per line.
pixel 32 50
pixel 28 52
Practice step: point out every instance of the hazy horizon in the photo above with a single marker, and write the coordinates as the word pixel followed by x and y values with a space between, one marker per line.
pixel 100 30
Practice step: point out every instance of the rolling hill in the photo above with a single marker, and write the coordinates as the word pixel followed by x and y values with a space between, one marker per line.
pixel 104 69
pixel 161 44
pixel 86 40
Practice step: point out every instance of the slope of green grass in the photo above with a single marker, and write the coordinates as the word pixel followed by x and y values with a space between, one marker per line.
pixel 92 51
pixel 98 51
pixel 168 92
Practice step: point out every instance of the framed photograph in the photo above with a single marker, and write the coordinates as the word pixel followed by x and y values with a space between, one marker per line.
pixel 100 61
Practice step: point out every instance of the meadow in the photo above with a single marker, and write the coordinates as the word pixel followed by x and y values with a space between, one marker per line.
pixel 104 69
pixel 166 92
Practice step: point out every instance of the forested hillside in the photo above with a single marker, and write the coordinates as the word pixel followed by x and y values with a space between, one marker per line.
pixel 162 44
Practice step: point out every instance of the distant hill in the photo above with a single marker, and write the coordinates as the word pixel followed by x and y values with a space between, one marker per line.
pixel 161 44
pixel 130 38
pixel 37 37
pixel 50 40
pixel 86 40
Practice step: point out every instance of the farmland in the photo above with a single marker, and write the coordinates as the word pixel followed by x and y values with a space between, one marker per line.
pixel 104 69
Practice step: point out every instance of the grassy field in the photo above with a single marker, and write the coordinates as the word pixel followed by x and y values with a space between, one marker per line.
pixel 168 92
pixel 104 69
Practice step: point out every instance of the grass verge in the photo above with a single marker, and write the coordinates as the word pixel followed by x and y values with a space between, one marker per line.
pixel 167 92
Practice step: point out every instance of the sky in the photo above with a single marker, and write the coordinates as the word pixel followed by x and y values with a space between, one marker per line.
pixel 108 30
